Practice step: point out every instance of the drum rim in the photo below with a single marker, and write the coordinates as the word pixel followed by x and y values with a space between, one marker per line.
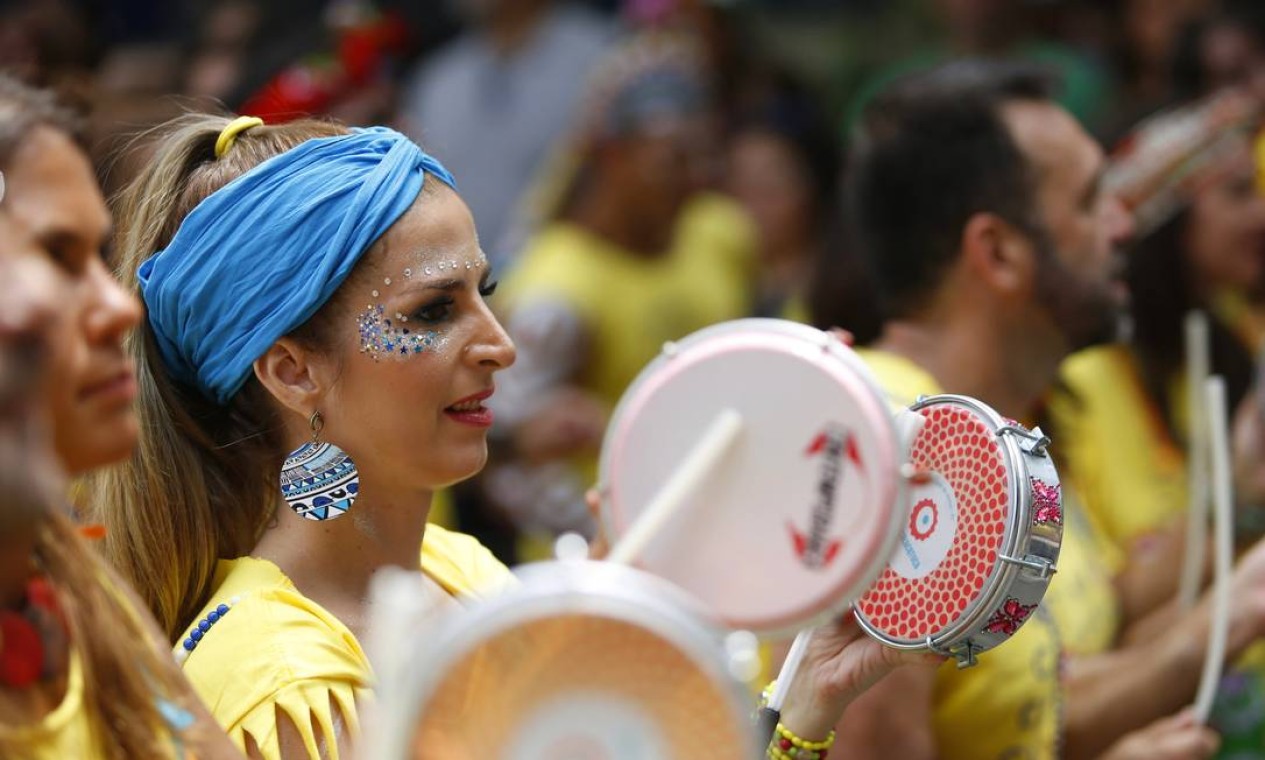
pixel 550 588
pixel 1001 576
pixel 874 407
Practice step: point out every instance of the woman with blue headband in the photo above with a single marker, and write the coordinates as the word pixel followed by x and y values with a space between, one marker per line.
pixel 313 366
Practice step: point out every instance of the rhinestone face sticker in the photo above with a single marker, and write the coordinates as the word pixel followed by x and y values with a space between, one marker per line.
pixel 384 337
pixel 392 336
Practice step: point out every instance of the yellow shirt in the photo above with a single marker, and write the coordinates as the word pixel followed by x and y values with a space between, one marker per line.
pixel 65 731
pixel 1113 447
pixel 276 651
pixel 629 304
pixel 1008 705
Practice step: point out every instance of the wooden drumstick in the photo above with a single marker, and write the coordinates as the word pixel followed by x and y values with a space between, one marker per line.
pixel 697 464
pixel 1197 371
pixel 1223 534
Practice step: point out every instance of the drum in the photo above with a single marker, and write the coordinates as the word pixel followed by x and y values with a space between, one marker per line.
pixel 584 660
pixel 982 539
pixel 800 513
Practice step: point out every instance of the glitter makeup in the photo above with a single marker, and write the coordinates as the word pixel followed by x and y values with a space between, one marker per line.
pixel 383 335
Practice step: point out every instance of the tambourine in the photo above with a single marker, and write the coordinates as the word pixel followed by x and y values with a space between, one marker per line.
pixel 982 539
pixel 582 660
pixel 792 520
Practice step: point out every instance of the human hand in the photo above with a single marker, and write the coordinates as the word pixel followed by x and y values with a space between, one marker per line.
pixel 1248 450
pixel 1247 594
pixel 599 546
pixel 1178 737
pixel 841 662
pixel 572 420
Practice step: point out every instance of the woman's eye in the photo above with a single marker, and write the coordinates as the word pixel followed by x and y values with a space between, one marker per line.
pixel 436 312
pixel 487 290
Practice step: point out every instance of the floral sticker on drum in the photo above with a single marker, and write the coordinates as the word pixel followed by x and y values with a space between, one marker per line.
pixel 1047 502
pixel 933 521
pixel 1007 619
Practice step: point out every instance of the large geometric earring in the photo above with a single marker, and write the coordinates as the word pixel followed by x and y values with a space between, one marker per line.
pixel 319 480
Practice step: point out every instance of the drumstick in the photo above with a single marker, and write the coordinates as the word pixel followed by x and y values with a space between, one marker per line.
pixel 771 713
pixel 1197 369
pixel 700 461
pixel 1223 533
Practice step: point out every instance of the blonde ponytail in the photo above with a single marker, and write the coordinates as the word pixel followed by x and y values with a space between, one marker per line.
pixel 200 485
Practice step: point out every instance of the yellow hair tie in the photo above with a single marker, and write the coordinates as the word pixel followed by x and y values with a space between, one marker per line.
pixel 229 134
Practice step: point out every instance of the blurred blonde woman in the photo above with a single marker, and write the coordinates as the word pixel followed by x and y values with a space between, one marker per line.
pixel 83 672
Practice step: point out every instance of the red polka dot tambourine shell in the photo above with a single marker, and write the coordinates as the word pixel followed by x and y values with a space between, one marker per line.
pixel 982 539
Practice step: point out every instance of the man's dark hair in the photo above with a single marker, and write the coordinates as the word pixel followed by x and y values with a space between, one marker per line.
pixel 930 151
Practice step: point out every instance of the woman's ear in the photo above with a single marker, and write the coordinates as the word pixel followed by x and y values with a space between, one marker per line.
pixel 295 375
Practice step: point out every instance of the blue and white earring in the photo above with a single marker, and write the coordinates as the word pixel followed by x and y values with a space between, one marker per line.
pixel 319 480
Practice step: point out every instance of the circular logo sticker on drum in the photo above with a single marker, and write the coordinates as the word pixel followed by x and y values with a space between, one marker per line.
pixel 933 521
pixel 592 726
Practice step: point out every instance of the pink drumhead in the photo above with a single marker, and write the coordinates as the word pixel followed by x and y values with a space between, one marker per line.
pixel 798 517
pixel 956 529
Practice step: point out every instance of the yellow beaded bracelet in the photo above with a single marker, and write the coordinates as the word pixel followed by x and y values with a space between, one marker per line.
pixel 787 746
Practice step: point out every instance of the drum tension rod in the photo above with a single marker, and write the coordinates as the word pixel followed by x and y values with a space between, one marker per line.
pixel 1031 441
pixel 1043 567
pixel 963 653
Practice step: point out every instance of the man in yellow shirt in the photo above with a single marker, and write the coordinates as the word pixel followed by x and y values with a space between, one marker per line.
pixel 979 204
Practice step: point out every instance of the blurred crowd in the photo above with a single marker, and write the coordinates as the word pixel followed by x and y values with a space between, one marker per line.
pixel 640 169
pixel 720 137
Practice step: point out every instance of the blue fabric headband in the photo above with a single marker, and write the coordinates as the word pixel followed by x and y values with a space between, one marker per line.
pixel 257 258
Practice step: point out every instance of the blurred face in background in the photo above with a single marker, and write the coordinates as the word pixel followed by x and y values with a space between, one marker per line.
pixel 766 176
pixel 1231 56
pixel 1078 288
pixel 53 195
pixel 1225 228
pixel 664 162
pixel 30 295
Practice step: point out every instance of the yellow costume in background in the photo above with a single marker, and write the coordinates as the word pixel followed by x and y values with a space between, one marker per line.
pixel 1114 448
pixel 629 303
pixel 626 305
pixel 1009 705
pixel 65 731
pixel 277 652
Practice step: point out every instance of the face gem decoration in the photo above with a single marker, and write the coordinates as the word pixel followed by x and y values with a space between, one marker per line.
pixel 389 336
pixel 381 336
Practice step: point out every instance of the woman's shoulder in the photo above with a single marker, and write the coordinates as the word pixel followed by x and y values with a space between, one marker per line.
pixel 1085 372
pixel 462 565
pixel 258 637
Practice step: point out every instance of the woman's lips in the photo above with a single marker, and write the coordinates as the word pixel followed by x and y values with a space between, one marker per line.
pixel 471 411
pixel 119 388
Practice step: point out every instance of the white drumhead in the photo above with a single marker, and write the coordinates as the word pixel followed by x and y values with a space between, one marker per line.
pixel 585 659
pixel 798 517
